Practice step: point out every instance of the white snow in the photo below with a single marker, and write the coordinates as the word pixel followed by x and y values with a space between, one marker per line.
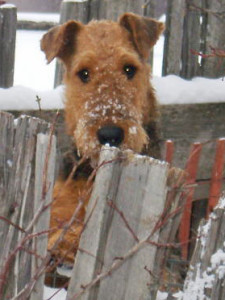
pixel 31 69
pixel 172 89
pixel 218 263
pixel 22 98
pixel 36 17
pixel 6 6
pixel 161 295
pixel 59 294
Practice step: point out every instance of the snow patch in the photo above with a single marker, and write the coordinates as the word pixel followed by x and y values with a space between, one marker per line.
pixel 221 203
pixel 38 17
pixel 172 89
pixel 161 295
pixel 133 130
pixel 7 6
pixel 22 98
pixel 218 263
pixel 58 294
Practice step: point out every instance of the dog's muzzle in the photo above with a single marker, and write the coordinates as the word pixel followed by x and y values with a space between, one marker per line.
pixel 111 135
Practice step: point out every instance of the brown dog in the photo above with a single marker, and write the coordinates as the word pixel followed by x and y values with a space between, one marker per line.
pixel 109 100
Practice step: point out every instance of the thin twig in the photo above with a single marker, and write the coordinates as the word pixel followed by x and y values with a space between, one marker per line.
pixel 121 214
pixel 218 14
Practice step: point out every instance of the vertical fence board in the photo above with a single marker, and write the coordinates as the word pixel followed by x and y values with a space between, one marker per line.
pixel 135 188
pixel 103 189
pixel 141 211
pixel 173 37
pixel 8 22
pixel 217 175
pixel 214 67
pixel 113 9
pixel 44 179
pixel 18 197
pixel 191 40
pixel 6 153
pixel 191 169
pixel 169 145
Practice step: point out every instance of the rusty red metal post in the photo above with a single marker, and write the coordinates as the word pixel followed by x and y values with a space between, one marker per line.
pixel 217 175
pixel 191 169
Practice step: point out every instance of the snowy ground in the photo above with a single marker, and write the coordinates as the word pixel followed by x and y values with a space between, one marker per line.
pixel 58 294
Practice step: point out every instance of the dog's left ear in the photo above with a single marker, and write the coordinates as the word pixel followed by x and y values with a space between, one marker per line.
pixel 60 40
pixel 144 31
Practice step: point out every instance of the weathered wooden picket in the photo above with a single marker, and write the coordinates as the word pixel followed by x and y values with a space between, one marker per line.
pixel 27 164
pixel 131 215
pixel 8 21
pixel 206 277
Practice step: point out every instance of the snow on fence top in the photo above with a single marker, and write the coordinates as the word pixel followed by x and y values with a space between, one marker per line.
pixel 170 90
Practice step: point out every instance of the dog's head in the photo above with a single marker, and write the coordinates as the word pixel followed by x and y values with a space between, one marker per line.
pixel 108 94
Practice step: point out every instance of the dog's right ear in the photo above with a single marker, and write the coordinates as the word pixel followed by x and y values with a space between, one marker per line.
pixel 144 31
pixel 60 40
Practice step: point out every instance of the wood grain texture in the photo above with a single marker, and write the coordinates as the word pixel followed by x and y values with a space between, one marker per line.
pixel 23 165
pixel 127 200
pixel 173 37
pixel 8 22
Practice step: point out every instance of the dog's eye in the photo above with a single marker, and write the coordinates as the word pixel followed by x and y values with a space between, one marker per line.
pixel 130 71
pixel 84 75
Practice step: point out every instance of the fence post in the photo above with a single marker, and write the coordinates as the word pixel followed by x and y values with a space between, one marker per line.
pixel 185 226
pixel 190 66
pixel 113 9
pixel 173 37
pixel 149 11
pixel 71 10
pixel 8 23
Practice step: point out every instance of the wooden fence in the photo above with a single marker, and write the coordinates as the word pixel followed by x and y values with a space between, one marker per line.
pixel 193 126
pixel 216 185
pixel 27 161
pixel 130 215
pixel 194 36
pixel 27 164
pixel 193 28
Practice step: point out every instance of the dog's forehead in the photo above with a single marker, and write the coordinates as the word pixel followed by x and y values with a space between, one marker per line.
pixel 103 35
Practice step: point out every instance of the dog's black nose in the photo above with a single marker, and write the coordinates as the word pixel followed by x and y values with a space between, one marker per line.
pixel 111 135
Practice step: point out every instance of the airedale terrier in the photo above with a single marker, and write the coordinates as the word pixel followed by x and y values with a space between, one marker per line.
pixel 109 100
